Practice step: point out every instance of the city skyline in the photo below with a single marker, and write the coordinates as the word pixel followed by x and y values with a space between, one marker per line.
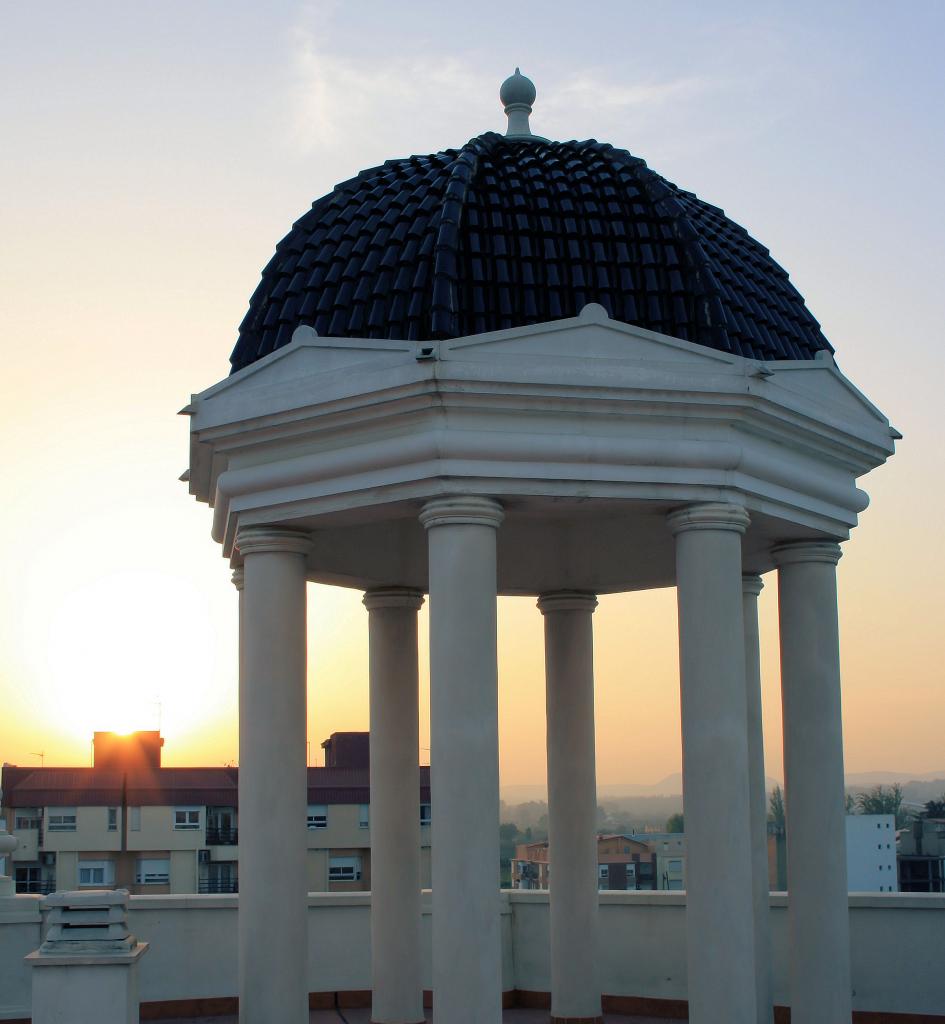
pixel 146 203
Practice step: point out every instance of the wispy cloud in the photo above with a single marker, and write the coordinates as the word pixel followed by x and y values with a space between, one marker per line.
pixel 352 103
pixel 337 98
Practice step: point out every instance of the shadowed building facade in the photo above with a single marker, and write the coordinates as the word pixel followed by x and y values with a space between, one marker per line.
pixel 537 368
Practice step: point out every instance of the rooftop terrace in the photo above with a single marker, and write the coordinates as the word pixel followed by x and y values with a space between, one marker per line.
pixel 190 971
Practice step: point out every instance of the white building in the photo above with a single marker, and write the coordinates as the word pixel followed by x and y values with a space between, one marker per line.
pixel 537 368
pixel 871 853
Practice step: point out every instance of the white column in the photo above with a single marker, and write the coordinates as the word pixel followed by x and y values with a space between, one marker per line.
pixel 397 987
pixel 719 909
pixel 572 805
pixel 758 798
pixel 467 947
pixel 818 905
pixel 273 947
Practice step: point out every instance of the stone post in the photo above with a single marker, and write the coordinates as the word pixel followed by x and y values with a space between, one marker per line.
pixel 758 798
pixel 273 784
pixel 818 902
pixel 8 844
pixel 87 969
pixel 464 737
pixel 396 978
pixel 719 907
pixel 572 805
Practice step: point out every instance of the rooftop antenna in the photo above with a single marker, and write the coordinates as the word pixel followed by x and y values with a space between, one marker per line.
pixel 41 754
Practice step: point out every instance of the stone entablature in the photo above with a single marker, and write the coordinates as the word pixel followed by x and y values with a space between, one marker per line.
pixel 343 433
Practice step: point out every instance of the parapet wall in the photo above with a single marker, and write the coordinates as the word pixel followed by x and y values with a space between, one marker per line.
pixel 897 943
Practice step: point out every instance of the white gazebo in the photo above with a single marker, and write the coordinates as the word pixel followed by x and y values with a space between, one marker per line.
pixel 418 446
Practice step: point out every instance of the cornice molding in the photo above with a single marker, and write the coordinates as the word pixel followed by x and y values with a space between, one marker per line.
pixel 566 601
pixel 798 552
pixel 710 515
pixel 393 597
pixel 254 540
pixel 752 584
pixel 468 510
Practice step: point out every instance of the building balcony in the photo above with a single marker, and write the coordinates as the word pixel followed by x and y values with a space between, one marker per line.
pixel 34 888
pixel 896 939
pixel 222 836
pixel 218 885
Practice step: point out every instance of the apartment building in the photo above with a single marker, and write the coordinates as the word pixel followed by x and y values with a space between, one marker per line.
pixel 922 856
pixel 127 821
pixel 871 853
pixel 871 843
pixel 641 861
pixel 669 857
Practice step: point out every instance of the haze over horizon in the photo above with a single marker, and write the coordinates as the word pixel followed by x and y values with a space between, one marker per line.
pixel 154 157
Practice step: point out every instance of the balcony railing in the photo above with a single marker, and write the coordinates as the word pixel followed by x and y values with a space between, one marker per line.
pixel 894 969
pixel 218 885
pixel 222 836
pixel 34 888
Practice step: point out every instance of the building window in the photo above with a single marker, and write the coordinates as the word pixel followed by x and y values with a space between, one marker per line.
pixel 112 819
pixel 96 872
pixel 134 819
pixel 344 869
pixel 153 871
pixel 674 865
pixel 317 816
pixel 426 814
pixel 61 819
pixel 364 815
pixel 187 818
pixel 26 818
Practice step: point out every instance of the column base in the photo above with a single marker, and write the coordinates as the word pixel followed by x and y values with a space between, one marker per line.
pixel 578 1020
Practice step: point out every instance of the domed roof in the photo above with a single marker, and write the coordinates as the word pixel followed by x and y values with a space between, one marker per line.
pixel 508 231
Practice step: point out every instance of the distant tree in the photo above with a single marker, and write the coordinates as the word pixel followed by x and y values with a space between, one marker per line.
pixel 850 803
pixel 935 808
pixel 508 832
pixel 675 823
pixel 880 800
pixel 776 807
pixel 509 837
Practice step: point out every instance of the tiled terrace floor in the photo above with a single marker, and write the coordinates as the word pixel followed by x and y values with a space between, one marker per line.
pixel 364 1017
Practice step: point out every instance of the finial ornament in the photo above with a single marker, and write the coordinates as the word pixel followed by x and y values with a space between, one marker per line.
pixel 517 94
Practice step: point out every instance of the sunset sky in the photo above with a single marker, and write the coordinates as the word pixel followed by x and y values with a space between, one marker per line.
pixel 152 155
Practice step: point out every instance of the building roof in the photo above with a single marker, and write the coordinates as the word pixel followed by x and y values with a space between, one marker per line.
pixel 505 232
pixel 106 787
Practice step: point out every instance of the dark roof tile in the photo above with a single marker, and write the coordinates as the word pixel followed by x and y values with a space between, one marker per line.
pixel 502 233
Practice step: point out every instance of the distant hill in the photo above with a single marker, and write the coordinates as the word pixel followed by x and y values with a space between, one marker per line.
pixel 920 786
pixel 671 785
pixel 857 779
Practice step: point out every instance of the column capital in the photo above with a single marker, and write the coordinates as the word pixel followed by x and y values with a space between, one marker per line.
pixel 466 509
pixel 393 597
pixel 806 551
pixel 252 540
pixel 566 601
pixel 709 515
pixel 238 577
pixel 752 583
